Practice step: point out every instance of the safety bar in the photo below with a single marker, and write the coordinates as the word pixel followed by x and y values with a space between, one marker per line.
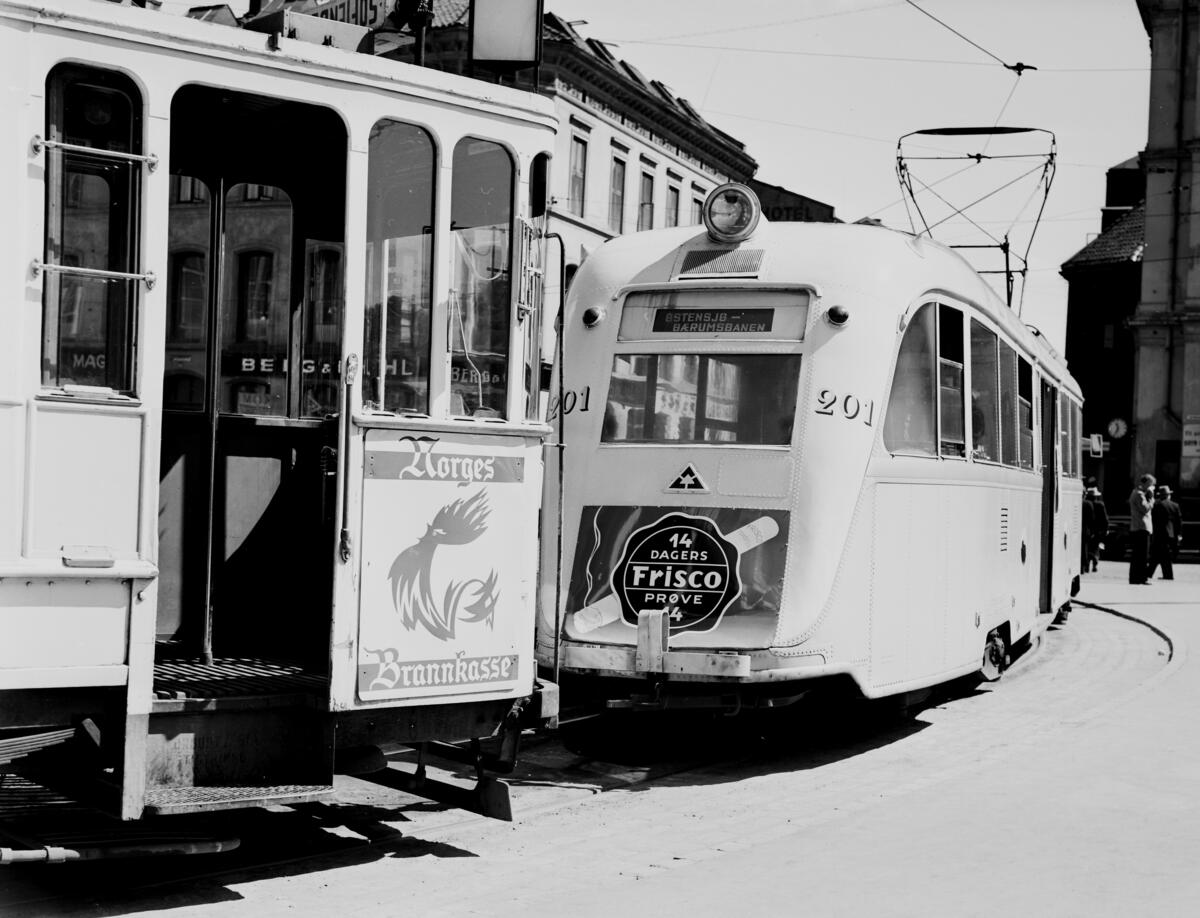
pixel 149 278
pixel 37 145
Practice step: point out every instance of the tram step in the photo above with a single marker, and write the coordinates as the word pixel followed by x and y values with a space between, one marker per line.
pixel 17 747
pixel 163 801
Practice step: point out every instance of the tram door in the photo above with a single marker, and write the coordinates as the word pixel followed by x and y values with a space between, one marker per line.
pixel 1050 496
pixel 251 379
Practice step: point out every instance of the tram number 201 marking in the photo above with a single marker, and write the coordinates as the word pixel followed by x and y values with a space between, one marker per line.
pixel 571 400
pixel 850 407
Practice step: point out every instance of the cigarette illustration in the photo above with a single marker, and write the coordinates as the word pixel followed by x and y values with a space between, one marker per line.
pixel 607 608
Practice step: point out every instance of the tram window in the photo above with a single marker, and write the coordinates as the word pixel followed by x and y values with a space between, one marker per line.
pixel 399 268
pixel 909 426
pixel 1025 412
pixel 664 398
pixel 950 382
pixel 322 329
pixel 1009 439
pixel 985 394
pixel 481 216
pixel 1064 432
pixel 89 323
pixel 186 369
pixel 1077 438
pixel 256 311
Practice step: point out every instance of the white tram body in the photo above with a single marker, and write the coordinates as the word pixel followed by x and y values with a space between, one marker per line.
pixel 270 460
pixel 822 450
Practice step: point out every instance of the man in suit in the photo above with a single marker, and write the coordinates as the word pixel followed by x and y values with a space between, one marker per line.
pixel 1141 499
pixel 1168 533
pixel 1099 528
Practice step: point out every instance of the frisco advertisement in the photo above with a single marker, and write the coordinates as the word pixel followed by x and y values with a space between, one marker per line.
pixel 446 575
pixel 701 565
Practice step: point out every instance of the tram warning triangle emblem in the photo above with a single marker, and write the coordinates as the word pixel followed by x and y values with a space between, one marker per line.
pixel 688 480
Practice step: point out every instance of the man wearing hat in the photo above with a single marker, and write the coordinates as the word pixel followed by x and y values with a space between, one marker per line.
pixel 1168 533
pixel 1099 528
pixel 1140 527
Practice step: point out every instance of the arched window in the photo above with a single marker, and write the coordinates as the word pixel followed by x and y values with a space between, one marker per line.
pixel 910 425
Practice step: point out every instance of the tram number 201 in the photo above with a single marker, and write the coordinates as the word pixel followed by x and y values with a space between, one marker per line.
pixel 850 407
pixel 571 400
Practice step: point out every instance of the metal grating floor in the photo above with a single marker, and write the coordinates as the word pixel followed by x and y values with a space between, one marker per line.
pixel 170 799
pixel 231 677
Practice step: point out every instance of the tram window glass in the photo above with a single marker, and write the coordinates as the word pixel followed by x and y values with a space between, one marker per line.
pixel 909 426
pixel 400 179
pixel 186 370
pixel 950 382
pixel 664 398
pixel 1064 432
pixel 1009 440
pixel 89 323
pixel 1025 412
pixel 1077 438
pixel 481 224
pixel 322 329
pixel 985 394
pixel 256 311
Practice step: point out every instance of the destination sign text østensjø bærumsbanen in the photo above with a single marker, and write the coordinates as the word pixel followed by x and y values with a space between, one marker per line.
pixel 712 321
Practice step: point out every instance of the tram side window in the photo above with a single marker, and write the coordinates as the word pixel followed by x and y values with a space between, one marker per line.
pixel 985 394
pixel 910 426
pixel 89 323
pixel 1077 438
pixel 400 178
pixel 481 215
pixel 1064 432
pixel 1010 450
pixel 1025 412
pixel 950 381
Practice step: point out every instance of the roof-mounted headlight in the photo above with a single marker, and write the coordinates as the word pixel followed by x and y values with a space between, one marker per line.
pixel 731 212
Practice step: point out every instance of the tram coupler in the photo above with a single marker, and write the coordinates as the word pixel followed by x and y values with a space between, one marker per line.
pixel 490 797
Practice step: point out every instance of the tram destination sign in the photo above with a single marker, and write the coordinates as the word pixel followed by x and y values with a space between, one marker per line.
pixel 712 321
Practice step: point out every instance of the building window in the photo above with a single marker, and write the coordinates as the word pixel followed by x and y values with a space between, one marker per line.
pixel 697 211
pixel 187 297
pixel 646 203
pixel 578 176
pixel 672 206
pixel 89 323
pixel 251 192
pixel 255 276
pixel 616 197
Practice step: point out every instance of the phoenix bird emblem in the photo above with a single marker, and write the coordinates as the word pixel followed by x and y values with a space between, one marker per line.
pixel 411 574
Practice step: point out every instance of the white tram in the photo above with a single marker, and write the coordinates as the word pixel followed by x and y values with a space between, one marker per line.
pixel 797 451
pixel 270 461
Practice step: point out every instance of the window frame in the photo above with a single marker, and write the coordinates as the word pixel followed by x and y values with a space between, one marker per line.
pixel 645 220
pixel 577 170
pixel 616 193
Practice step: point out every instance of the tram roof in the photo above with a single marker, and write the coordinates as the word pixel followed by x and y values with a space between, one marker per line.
pixel 134 25
pixel 850 257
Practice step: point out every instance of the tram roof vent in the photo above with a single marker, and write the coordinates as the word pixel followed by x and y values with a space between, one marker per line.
pixel 721 262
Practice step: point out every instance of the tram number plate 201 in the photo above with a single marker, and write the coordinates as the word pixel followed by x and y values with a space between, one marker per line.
pixel 850 407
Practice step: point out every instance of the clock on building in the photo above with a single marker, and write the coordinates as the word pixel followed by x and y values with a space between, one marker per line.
pixel 1117 428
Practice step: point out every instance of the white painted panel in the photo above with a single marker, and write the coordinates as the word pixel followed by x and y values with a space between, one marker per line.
pixel 84 480
pixel 745 476
pixel 62 623
pixel 11 460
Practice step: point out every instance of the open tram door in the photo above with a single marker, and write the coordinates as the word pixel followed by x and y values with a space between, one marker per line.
pixel 252 382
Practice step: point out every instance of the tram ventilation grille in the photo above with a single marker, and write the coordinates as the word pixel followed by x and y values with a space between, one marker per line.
pixel 1004 528
pixel 722 261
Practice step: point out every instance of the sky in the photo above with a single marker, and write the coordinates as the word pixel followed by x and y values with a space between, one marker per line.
pixel 820 91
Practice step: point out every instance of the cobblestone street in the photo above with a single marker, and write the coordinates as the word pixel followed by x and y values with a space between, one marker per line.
pixel 1070 787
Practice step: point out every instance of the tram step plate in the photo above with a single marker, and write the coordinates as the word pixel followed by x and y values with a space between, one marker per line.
pixel 163 800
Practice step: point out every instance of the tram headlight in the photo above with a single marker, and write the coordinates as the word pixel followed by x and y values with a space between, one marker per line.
pixel 593 316
pixel 731 212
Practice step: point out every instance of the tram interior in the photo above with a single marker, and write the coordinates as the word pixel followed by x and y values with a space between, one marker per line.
pixel 251 387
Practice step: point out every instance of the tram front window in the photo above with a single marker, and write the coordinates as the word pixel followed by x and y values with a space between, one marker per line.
pixel 665 398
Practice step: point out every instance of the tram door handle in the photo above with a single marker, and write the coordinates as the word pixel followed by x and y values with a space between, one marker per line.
pixel 345 544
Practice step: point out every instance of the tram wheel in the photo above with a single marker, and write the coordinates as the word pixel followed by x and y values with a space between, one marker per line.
pixel 1063 614
pixel 995 656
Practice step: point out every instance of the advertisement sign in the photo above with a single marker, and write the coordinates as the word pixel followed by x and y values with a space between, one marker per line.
pixel 446 578
pixel 701 565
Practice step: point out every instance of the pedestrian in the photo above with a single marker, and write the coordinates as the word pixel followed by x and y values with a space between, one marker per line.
pixel 1087 522
pixel 1140 527
pixel 1099 528
pixel 1168 533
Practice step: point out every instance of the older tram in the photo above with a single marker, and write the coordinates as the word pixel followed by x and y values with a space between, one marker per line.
pixel 270 460
pixel 797 452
